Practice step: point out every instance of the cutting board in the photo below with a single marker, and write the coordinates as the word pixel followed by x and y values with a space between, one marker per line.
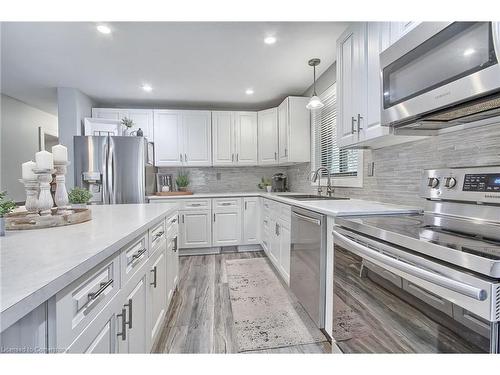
pixel 173 193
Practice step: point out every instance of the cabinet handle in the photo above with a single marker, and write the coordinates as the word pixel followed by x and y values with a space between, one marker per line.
pixel 275 156
pixel 138 254
pixel 214 218
pixel 154 277
pixel 185 158
pixel 286 152
pixel 129 305
pixel 353 120
pixel 278 229
pixel 158 235
pixel 174 248
pixel 182 219
pixel 123 333
pixel 102 287
pixel 245 205
pixel 226 204
pixel 180 157
pixel 195 204
pixel 237 157
pixel 359 122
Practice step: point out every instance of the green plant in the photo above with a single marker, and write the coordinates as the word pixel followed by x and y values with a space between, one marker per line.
pixel 127 122
pixel 264 182
pixel 79 196
pixel 182 180
pixel 6 205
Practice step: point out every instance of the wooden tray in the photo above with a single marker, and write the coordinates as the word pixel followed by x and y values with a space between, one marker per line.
pixel 21 220
pixel 173 193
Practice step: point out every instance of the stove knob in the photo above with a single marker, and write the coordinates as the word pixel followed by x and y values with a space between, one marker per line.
pixel 433 182
pixel 450 182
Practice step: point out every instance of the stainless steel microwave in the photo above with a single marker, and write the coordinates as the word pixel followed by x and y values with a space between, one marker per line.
pixel 441 74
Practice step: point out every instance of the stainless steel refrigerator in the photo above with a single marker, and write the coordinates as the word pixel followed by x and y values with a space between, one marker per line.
pixel 115 169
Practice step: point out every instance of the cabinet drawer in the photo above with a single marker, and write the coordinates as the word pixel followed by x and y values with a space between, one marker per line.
pixel 223 203
pixel 156 235
pixel 285 212
pixel 195 204
pixel 428 297
pixel 172 225
pixel 133 257
pixel 80 302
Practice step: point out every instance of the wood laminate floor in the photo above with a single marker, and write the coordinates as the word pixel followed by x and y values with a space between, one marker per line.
pixel 200 318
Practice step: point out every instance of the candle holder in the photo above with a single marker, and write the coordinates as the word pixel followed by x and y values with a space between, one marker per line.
pixel 61 196
pixel 45 201
pixel 31 187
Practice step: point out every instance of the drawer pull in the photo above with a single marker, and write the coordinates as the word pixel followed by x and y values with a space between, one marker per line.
pixel 138 254
pixel 174 220
pixel 195 204
pixel 174 248
pixel 129 305
pixel 158 235
pixel 154 277
pixel 102 287
pixel 226 204
pixel 123 333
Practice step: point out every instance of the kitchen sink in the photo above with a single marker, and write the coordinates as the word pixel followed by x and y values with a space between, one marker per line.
pixel 312 197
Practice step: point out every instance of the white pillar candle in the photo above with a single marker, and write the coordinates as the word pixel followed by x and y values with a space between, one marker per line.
pixel 44 160
pixel 60 153
pixel 28 173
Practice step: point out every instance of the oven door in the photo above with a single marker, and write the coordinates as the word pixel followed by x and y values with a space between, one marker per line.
pixel 387 300
pixel 436 65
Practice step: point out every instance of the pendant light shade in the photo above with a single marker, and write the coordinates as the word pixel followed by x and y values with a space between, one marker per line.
pixel 315 102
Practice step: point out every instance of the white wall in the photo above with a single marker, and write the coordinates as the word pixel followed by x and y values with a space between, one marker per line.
pixel 73 106
pixel 19 141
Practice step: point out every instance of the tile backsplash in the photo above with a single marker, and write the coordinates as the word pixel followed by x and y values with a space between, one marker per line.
pixel 398 169
pixel 232 179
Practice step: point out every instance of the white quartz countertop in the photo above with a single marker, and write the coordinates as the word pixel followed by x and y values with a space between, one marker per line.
pixel 341 207
pixel 36 264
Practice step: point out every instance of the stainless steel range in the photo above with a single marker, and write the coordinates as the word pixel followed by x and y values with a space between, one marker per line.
pixel 423 282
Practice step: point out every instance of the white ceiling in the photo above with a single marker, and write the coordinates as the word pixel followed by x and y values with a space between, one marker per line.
pixel 189 64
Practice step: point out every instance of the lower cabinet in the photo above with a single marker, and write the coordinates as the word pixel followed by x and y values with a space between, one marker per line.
pixel 173 267
pixel 158 289
pixel 131 322
pixel 251 222
pixel 195 229
pixel 226 228
pixel 284 246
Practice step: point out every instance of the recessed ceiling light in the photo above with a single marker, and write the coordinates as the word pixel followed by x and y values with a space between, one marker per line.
pixel 147 87
pixel 270 40
pixel 249 91
pixel 469 51
pixel 103 29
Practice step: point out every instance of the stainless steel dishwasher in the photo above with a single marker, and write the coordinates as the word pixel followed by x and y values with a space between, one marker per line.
pixel 308 262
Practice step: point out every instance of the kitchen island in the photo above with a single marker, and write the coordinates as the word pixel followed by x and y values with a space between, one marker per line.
pixel 36 265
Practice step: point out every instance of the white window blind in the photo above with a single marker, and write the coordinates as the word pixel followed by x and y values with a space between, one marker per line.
pixel 325 152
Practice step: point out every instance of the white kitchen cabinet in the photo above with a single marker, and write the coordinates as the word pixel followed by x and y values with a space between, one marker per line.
pixel 172 267
pixel 196 138
pixel 227 222
pixel 195 229
pixel 268 136
pixel 157 290
pixel 131 322
pixel 284 249
pixel 246 138
pixel 98 338
pixel 400 29
pixel 251 221
pixel 223 149
pixel 234 138
pixel 182 138
pixel 142 118
pixel 294 131
pixel 351 82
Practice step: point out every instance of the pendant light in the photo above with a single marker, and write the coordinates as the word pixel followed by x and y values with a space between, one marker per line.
pixel 315 102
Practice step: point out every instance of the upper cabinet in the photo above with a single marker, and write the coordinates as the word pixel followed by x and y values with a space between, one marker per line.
pixel 182 138
pixel 294 131
pixel 142 118
pixel 359 85
pixel 399 29
pixel 234 138
pixel 268 136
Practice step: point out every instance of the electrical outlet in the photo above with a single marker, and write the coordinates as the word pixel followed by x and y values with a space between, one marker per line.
pixel 218 176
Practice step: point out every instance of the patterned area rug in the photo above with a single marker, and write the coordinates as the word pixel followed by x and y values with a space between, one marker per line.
pixel 265 316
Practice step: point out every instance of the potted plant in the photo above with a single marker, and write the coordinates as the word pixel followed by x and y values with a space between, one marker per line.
pixel 265 184
pixel 6 206
pixel 182 181
pixel 128 123
pixel 79 197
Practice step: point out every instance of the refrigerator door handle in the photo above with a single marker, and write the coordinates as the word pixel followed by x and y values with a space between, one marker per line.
pixel 110 175
pixel 104 174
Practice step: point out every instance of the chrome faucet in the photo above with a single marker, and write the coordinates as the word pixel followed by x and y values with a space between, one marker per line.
pixel 316 176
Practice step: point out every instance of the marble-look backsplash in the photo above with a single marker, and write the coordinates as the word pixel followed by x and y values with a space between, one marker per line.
pixel 232 179
pixel 398 168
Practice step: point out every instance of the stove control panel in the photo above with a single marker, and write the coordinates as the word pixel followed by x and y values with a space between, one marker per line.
pixel 476 184
pixel 482 182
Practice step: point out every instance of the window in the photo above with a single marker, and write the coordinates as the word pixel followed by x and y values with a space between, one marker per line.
pixel 344 165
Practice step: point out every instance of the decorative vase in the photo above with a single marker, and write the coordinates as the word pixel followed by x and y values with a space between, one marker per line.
pixel 126 131
pixel 2 226
pixel 269 189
